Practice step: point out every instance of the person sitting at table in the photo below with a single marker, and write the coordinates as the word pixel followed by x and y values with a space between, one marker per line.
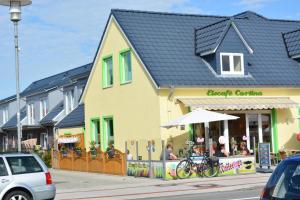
pixel 195 151
pixel 221 151
pixel 129 155
pixel 214 148
pixel 169 155
pixel 235 149
pixel 244 150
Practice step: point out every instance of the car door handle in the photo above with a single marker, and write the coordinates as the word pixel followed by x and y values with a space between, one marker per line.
pixel 4 180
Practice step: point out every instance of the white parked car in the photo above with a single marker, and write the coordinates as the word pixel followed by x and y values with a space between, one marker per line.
pixel 25 177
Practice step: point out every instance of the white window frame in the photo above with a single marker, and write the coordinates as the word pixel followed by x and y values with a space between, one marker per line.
pixel 69 101
pixel 231 64
pixel 30 113
pixel 43 108
pixel 5 114
pixel 44 140
pixel 79 91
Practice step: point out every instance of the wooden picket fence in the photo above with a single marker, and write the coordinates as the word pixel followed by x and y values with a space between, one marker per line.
pixel 87 162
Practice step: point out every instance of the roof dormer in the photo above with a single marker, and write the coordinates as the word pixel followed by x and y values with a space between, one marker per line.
pixel 209 38
pixel 292 43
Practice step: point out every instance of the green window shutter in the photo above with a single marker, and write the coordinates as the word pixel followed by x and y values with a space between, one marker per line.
pixel 125 66
pixel 107 71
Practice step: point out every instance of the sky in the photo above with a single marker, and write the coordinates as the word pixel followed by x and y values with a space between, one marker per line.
pixel 58 35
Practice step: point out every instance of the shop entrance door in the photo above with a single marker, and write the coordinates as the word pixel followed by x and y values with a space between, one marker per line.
pixel 253 129
pixel 266 130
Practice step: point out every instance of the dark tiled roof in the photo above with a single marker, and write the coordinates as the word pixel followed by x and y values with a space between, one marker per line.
pixel 250 15
pixel 12 123
pixel 57 80
pixel 207 38
pixel 165 43
pixel 292 42
pixel 8 99
pixel 48 119
pixel 73 119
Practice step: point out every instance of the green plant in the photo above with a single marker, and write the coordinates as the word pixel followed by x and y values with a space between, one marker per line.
pixel 47 158
pixel 93 149
pixel 63 150
pixel 78 150
pixel 92 146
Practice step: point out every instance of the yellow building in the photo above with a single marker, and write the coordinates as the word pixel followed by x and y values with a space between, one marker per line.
pixel 153 67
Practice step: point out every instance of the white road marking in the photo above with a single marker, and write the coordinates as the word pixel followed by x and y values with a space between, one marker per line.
pixel 245 198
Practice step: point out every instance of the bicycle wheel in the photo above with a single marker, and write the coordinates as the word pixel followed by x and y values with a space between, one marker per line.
pixel 209 169
pixel 184 169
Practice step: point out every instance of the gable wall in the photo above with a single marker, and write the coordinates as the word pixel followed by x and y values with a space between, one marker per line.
pixel 134 106
pixel 232 44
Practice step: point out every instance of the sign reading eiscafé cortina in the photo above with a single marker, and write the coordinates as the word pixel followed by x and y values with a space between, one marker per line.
pixel 227 93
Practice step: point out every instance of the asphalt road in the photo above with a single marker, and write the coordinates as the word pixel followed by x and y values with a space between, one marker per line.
pixel 243 194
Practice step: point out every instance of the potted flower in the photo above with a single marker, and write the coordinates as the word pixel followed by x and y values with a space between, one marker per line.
pixel 93 149
pixel 64 151
pixel 78 151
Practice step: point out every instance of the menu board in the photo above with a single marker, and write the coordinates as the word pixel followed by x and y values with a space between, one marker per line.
pixel 264 154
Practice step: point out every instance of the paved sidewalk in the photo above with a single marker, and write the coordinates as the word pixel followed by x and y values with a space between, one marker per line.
pixel 71 180
pixel 78 185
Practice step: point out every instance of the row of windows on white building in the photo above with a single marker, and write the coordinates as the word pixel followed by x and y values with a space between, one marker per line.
pixel 44 107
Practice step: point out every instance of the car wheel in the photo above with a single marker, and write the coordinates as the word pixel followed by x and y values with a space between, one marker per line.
pixel 18 195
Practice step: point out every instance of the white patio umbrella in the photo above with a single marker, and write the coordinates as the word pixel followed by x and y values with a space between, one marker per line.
pixel 199 116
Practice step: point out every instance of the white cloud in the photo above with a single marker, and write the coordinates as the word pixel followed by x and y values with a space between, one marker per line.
pixel 254 4
pixel 57 35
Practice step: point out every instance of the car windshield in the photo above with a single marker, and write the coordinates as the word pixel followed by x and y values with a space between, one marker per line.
pixel 23 165
pixel 288 185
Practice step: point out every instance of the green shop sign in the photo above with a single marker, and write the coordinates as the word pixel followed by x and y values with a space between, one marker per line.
pixel 228 93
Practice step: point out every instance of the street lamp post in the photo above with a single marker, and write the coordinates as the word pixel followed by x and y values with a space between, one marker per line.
pixel 15 17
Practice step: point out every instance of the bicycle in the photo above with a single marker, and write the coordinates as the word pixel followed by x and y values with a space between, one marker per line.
pixel 208 167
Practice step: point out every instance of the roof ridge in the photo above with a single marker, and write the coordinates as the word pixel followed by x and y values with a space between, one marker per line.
pixel 291 31
pixel 201 15
pixel 284 20
pixel 209 25
pixel 6 99
pixel 61 73
pixel 166 13
pixel 252 12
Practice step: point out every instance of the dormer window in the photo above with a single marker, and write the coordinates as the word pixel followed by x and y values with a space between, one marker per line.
pixel 43 108
pixel 232 63
pixel 69 101
pixel 30 113
pixel 5 115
